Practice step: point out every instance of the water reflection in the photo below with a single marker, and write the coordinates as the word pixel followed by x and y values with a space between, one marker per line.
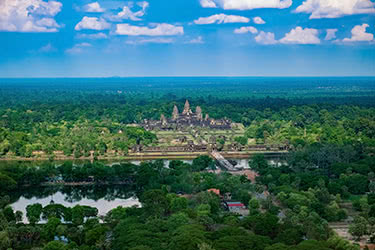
pixel 104 198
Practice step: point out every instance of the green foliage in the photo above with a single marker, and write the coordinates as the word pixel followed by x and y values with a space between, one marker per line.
pixel 49 230
pixel 241 140
pixel 263 224
pixel 359 227
pixel 5 241
pixel 178 204
pixel 56 211
pixel 141 247
pixel 6 183
pixel 114 216
pixel 278 246
pixel 169 221
pixel 254 206
pixel 9 214
pixel 312 245
pixel 177 220
pixel 33 212
pixel 96 235
pixel 338 243
pixel 78 215
pixel 258 162
pixel 55 245
pixel 208 202
pixel 188 237
pixel 331 141
pixel 202 162
pixel 131 233
pixel 238 242
pixel 290 234
pixel 155 203
pixel 4 201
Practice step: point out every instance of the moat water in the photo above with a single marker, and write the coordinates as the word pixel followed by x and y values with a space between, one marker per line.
pixel 104 198
pixel 240 163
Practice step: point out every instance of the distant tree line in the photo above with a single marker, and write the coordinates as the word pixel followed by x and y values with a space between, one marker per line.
pixel 78 122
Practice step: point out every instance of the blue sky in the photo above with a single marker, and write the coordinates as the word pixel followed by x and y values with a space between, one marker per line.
pixel 81 38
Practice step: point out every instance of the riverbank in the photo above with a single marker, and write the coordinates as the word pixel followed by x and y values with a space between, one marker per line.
pixel 152 156
pixel 83 183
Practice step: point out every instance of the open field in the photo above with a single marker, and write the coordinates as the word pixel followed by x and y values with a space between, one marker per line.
pixel 199 136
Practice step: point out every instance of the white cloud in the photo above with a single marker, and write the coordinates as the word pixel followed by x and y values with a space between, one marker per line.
pixel 47 22
pixel 92 36
pixel 301 36
pixel 84 45
pixel 74 50
pixel 93 7
pixel 247 29
pixel 78 48
pixel 331 34
pixel 47 48
pixel 335 8
pixel 258 20
pixel 29 15
pixel 92 23
pixel 127 13
pixel 160 40
pixel 266 38
pixel 162 29
pixel 246 4
pixel 295 36
pixel 39 7
pixel 359 34
pixel 198 40
pixel 222 18
pixel 208 4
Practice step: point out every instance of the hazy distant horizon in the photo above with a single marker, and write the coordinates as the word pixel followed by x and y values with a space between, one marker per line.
pixel 194 76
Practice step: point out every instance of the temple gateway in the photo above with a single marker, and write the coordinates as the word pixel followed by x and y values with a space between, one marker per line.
pixel 181 121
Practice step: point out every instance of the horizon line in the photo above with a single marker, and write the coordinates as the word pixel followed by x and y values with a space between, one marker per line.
pixel 185 76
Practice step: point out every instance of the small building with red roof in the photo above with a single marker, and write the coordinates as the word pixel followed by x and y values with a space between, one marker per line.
pixel 214 190
pixel 235 206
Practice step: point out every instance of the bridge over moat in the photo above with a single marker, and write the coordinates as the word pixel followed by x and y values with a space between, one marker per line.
pixel 220 157
pixel 222 161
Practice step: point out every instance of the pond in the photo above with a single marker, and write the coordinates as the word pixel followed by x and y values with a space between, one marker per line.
pixel 104 198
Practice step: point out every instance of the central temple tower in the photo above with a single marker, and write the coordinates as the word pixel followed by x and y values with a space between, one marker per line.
pixel 187 110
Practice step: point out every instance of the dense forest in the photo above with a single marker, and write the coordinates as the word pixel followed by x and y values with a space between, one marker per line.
pixel 305 196
pixel 76 118
pixel 327 177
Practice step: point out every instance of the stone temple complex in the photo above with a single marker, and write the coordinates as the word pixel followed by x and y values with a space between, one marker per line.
pixel 181 121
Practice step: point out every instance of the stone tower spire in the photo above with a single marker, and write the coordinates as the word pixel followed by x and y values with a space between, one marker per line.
pixel 163 120
pixel 198 111
pixel 187 110
pixel 175 113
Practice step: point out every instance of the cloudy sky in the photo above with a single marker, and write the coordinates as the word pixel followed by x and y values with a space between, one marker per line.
pixel 81 38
